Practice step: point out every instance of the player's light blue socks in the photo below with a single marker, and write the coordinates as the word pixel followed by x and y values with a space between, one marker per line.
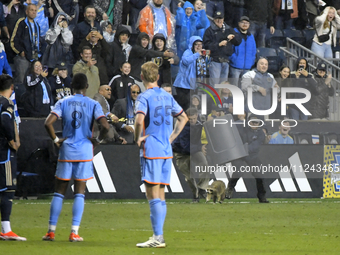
pixel 78 209
pixel 163 212
pixel 156 216
pixel 56 205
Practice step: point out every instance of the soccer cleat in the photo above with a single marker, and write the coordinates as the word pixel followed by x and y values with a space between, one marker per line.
pixel 75 238
pixel 49 236
pixel 151 243
pixel 11 236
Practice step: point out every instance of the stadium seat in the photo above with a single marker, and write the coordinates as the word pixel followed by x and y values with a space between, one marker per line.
pixel 309 35
pixel 295 35
pixel 283 57
pixel 328 138
pixel 302 138
pixel 275 40
pixel 274 61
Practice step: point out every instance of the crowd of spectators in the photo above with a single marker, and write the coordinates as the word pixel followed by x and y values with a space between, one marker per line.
pixel 46 42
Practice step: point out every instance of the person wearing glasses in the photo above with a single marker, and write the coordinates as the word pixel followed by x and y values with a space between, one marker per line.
pixel 103 95
pixel 124 109
pixel 244 54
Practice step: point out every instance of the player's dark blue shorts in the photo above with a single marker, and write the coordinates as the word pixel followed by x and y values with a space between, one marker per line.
pixel 156 171
pixel 8 174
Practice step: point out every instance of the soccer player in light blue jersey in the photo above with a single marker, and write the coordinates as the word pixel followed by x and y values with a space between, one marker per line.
pixel 76 151
pixel 282 136
pixel 154 110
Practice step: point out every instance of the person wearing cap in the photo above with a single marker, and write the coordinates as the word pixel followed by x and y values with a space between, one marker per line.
pixel 254 136
pixel 219 38
pixel 319 103
pixel 60 82
pixel 260 15
pixel 244 54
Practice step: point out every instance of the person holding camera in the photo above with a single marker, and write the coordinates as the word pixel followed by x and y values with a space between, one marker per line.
pixel 192 64
pixel 301 78
pixel 326 26
pixel 59 39
pixel 100 49
pixel 220 39
pixel 86 65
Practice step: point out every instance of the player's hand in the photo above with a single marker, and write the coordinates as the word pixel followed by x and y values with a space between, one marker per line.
pixel 60 142
pixel 128 128
pixel 141 139
pixel 122 140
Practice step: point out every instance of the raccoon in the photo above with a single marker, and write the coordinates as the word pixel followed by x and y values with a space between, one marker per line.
pixel 216 191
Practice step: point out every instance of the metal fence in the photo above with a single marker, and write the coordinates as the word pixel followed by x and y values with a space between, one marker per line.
pixel 294 50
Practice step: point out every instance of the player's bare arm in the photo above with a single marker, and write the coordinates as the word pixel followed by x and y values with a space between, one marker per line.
pixel 51 118
pixel 138 129
pixel 180 123
pixel 15 144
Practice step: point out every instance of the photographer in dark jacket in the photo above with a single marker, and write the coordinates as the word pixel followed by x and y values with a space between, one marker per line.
pixel 219 38
pixel 254 136
pixel 319 103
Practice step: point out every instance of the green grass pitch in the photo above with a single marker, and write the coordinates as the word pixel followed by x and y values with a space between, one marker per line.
pixel 238 226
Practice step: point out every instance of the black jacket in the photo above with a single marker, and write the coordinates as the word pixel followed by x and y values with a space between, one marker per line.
pixel 60 87
pixel 260 11
pixel 117 55
pixel 99 52
pixel 139 55
pixel 214 35
pixel 319 103
pixel 81 30
pixel 20 40
pixel 33 97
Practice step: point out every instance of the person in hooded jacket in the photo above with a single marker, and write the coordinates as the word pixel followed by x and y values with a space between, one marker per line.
pixel 164 63
pixel 140 54
pixel 319 102
pixel 120 51
pixel 59 39
pixel 192 61
pixel 301 78
pixel 188 23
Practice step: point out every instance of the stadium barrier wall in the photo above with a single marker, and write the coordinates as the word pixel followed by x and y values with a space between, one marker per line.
pixel 117 170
